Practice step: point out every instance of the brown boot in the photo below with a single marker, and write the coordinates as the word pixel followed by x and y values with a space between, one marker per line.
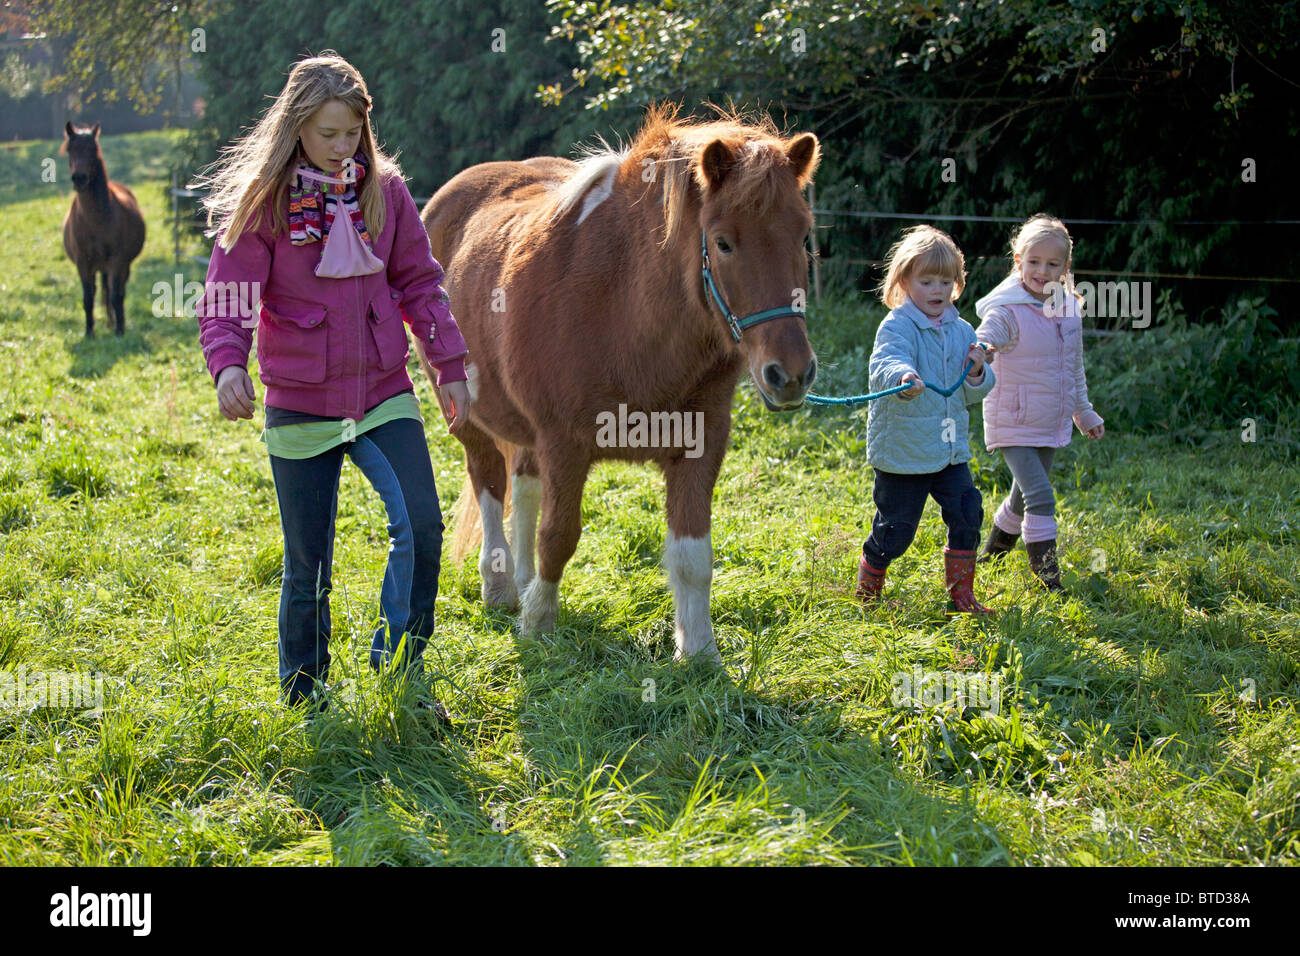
pixel 871 581
pixel 1042 561
pixel 959 570
pixel 998 544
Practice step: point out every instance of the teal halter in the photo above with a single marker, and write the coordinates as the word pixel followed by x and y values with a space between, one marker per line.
pixel 737 325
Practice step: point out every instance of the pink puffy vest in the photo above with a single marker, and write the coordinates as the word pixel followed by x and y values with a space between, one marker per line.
pixel 1033 400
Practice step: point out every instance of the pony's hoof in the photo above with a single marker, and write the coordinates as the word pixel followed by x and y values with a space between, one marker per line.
pixel 708 653
pixel 541 606
pixel 499 592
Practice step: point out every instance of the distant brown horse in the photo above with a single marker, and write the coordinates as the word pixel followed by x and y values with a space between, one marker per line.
pixel 103 231
pixel 584 293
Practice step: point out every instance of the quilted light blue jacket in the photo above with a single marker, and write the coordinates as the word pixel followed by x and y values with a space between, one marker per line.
pixel 925 434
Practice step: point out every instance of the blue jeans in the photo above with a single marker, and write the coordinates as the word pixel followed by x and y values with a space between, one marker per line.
pixel 395 459
pixel 900 499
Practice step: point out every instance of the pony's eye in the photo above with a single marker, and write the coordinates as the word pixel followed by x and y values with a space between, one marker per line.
pixel 722 244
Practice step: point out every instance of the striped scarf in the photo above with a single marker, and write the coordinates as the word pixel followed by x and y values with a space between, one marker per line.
pixel 314 199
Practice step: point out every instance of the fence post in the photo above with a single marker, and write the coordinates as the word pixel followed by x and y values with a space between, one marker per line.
pixel 176 223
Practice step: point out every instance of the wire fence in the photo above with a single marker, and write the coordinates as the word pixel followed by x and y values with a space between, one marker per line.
pixel 180 228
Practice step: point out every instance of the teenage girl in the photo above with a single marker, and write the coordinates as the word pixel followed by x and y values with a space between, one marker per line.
pixel 314 219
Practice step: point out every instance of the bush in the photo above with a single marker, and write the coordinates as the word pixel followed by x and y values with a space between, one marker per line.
pixel 1193 380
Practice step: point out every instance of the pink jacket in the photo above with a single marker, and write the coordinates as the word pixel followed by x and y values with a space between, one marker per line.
pixel 1040 384
pixel 330 347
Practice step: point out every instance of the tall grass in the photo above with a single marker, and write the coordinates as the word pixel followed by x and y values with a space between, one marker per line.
pixel 1149 717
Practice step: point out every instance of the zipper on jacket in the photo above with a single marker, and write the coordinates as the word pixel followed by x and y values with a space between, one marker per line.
pixel 361 350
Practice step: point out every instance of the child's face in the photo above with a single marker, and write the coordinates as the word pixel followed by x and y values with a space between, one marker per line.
pixel 1041 263
pixel 932 293
pixel 331 135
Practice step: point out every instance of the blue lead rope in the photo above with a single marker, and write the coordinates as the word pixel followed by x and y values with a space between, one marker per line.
pixel 863 399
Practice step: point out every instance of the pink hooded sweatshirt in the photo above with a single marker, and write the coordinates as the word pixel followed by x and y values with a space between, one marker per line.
pixel 333 347
pixel 1040 384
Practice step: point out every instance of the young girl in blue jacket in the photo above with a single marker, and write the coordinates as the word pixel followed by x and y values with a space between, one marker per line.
pixel 917 439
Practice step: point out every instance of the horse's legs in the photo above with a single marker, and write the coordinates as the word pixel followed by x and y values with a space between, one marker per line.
pixel 88 296
pixel 106 293
pixel 688 552
pixel 119 297
pixel 525 502
pixel 487 473
pixel 563 473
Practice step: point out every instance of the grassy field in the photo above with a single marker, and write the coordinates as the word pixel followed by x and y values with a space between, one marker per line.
pixel 1148 718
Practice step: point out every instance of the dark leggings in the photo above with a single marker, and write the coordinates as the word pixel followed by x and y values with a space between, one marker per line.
pixel 395 459
pixel 900 499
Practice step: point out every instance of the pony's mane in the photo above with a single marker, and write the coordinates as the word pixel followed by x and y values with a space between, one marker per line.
pixel 674 146
pixel 597 165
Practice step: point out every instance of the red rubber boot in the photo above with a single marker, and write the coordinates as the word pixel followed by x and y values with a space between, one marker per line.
pixel 959 570
pixel 871 581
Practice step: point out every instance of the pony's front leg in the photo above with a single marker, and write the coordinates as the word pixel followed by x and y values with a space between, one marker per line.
pixel 563 473
pixel 487 473
pixel 525 504
pixel 688 552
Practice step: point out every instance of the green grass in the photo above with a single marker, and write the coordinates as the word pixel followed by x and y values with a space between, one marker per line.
pixel 141 542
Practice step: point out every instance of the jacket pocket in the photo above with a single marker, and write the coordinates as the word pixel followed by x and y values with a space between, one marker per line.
pixel 388 331
pixel 291 346
pixel 1022 404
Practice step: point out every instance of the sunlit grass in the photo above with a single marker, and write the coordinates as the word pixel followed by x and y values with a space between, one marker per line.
pixel 1147 718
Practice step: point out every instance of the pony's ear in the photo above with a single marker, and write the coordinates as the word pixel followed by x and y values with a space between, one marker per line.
pixel 95 131
pixel 804 153
pixel 68 131
pixel 715 162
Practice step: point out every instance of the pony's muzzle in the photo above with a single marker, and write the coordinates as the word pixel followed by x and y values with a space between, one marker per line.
pixel 80 179
pixel 786 390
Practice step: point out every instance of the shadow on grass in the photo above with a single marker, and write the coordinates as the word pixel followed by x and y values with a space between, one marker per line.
pixel 674 763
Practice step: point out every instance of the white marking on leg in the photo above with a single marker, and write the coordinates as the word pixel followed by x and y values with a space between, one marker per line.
pixel 526 503
pixel 541 606
pixel 471 380
pixel 689 562
pixel 495 564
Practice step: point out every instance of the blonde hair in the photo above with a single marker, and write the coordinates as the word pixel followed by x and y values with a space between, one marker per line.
pixel 261 164
pixel 1041 228
pixel 923 250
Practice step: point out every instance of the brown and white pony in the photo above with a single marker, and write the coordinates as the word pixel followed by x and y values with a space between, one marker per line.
pixel 103 231
pixel 580 290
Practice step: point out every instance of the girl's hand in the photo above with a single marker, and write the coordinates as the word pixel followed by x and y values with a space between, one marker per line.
pixel 455 401
pixel 976 355
pixel 235 392
pixel 1097 432
pixel 916 389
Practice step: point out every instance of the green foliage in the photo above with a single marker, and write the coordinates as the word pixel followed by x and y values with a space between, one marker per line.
pixel 1149 720
pixel 1198 382
pixel 454 82
pixel 1088 110
pixel 140 43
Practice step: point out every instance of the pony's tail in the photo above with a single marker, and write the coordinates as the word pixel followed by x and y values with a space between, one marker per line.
pixel 465 531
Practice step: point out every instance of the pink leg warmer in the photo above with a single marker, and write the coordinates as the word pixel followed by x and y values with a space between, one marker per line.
pixel 1006 519
pixel 1039 528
